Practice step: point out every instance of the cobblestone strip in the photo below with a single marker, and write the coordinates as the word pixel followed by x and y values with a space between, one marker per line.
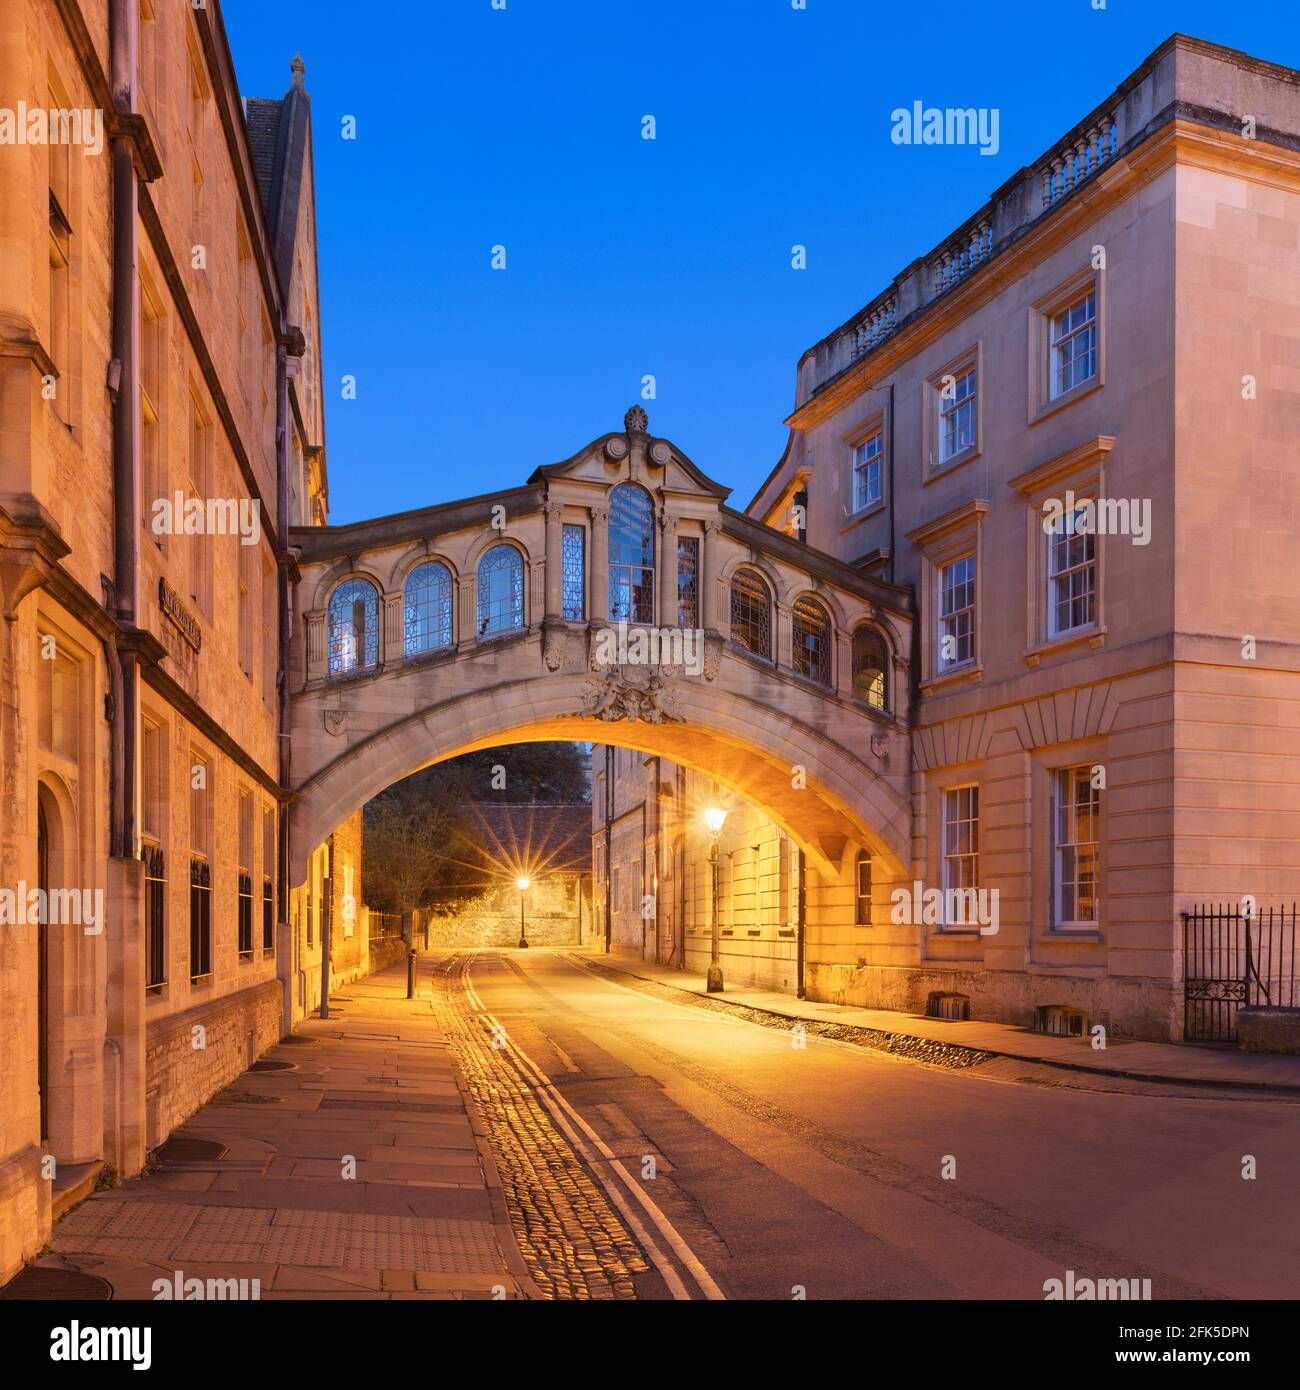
pixel 572 1240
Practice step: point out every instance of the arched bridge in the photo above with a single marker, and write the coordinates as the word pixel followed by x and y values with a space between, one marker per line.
pixel 613 598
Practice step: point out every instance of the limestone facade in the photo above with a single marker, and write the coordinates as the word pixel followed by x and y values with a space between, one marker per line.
pixel 158 338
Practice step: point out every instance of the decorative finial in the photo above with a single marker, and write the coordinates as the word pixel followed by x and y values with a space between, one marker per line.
pixel 636 421
pixel 297 67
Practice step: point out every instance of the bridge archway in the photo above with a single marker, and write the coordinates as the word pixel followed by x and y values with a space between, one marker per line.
pixel 786 734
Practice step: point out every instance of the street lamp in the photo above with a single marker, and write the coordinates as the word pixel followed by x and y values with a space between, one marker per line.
pixel 715 817
pixel 522 884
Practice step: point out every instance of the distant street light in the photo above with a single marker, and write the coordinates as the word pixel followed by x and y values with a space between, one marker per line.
pixel 522 884
pixel 715 817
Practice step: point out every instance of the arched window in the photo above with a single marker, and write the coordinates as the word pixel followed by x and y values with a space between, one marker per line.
pixel 426 613
pixel 812 641
pixel 500 591
pixel 863 886
pixel 631 555
pixel 871 668
pixel 751 614
pixel 354 627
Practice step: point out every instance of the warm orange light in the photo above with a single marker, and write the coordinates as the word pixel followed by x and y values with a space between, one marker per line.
pixel 521 883
pixel 714 818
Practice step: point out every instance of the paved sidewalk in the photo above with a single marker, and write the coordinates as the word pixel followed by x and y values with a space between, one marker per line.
pixel 423 1217
pixel 1147 1061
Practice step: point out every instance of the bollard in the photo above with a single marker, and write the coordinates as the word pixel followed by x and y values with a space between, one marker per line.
pixel 410 974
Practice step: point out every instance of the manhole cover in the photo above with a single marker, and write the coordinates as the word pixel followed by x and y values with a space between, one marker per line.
pixel 40 1282
pixel 268 1065
pixel 186 1149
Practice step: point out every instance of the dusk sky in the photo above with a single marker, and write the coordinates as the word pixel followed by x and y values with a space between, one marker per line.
pixel 628 257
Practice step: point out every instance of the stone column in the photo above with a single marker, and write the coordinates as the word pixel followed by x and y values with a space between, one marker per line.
pixel 392 629
pixel 600 564
pixel 710 561
pixel 554 562
pixel 317 657
pixel 667 562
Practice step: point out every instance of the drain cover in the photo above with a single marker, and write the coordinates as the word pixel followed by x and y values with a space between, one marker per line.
pixel 186 1149
pixel 39 1282
pixel 268 1065
pixel 294 1038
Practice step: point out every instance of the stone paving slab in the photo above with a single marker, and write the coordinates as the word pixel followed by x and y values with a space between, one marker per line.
pixel 423 1215
pixel 1150 1061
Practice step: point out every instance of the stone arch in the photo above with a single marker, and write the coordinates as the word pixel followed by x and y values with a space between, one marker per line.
pixel 337 575
pixel 526 616
pixel 482 544
pixel 878 630
pixel 824 599
pixel 752 749
pixel 412 559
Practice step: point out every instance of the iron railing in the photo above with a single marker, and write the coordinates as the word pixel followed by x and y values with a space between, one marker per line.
pixel 155 916
pixel 245 914
pixel 200 919
pixel 1236 955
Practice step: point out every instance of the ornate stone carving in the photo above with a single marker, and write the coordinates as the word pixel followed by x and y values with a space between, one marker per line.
pixel 616 447
pixel 659 453
pixel 336 721
pixel 636 421
pixel 624 695
pixel 713 645
pixel 555 646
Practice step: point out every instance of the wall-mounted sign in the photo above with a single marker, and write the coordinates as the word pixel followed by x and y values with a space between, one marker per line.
pixel 170 603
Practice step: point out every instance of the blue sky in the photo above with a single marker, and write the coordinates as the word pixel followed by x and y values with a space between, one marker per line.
pixel 628 257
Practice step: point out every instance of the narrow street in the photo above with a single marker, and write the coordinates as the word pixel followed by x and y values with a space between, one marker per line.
pixel 779 1168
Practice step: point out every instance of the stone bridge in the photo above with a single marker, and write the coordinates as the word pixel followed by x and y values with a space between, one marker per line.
pixel 613 598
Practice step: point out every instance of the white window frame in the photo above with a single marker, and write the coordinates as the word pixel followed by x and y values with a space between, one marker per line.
pixel 959 415
pixel 946 616
pixel 1057 341
pixel 869 471
pixel 1066 842
pixel 959 867
pixel 1061 545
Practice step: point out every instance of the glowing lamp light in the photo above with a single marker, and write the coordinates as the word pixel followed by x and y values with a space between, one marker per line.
pixel 521 883
pixel 714 818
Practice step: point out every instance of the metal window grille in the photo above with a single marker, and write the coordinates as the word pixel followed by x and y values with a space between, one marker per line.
pixel 200 919
pixel 426 609
pixel 155 899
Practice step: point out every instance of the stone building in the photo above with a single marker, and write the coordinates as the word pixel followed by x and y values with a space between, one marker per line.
pixel 1103 710
pixel 547 846
pixel 161 428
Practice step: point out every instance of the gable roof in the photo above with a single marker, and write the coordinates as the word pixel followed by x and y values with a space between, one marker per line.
pixel 279 135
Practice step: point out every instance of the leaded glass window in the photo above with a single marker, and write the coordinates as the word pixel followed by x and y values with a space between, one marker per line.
pixel 812 641
pixel 353 627
pixel 500 591
pixel 574 566
pixel 751 614
pixel 427 609
pixel 688 583
pixel 870 668
pixel 631 555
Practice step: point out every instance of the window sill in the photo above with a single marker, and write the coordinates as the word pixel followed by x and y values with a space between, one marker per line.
pixel 863 514
pixel 1094 636
pixel 950 465
pixel 1075 393
pixel 970 671
pixel 1088 935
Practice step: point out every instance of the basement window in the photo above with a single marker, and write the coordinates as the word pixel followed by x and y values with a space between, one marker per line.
pixel 1061 1021
pixel 942 1004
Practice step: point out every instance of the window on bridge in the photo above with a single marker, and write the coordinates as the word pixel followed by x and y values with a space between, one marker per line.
pixel 871 668
pixel 751 614
pixel 427 609
pixel 500 591
pixel 631 555
pixel 354 627
pixel 812 641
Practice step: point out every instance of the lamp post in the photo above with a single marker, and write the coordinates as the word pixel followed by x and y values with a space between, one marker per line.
pixel 522 884
pixel 715 817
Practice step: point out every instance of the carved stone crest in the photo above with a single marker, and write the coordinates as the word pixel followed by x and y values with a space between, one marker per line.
pixel 555 647
pixel 336 721
pixel 622 695
pixel 636 421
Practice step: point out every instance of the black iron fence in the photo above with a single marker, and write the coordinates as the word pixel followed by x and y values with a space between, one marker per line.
pixel 1236 955
pixel 155 916
pixel 200 919
pixel 385 924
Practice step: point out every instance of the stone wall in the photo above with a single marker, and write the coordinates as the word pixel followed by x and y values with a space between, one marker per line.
pixel 557 912
pixel 191 1056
